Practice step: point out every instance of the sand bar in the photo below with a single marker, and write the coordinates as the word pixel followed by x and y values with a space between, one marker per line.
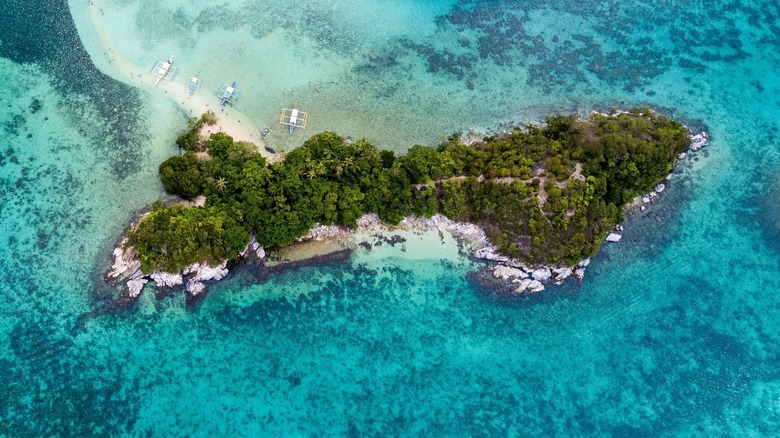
pixel 231 121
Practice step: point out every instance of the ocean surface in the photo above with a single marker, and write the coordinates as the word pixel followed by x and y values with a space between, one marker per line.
pixel 674 332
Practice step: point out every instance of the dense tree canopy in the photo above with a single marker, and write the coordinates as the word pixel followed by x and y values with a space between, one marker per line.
pixel 546 194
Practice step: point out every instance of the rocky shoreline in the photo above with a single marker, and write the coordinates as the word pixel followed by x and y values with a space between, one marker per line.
pixel 512 275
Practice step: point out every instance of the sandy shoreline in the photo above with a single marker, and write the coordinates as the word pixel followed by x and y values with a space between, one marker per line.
pixel 231 121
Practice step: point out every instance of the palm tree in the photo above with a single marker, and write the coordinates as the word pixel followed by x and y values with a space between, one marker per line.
pixel 221 184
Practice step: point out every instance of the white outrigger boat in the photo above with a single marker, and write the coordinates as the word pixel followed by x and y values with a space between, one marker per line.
pixel 193 85
pixel 294 118
pixel 164 70
pixel 228 94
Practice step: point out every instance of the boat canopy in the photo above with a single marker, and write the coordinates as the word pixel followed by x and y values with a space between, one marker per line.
pixel 228 94
pixel 294 118
pixel 164 70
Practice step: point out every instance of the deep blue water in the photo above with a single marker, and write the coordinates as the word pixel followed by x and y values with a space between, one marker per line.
pixel 675 331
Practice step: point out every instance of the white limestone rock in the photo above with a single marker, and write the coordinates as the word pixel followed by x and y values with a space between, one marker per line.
pixel 646 199
pixel 541 274
pixel 699 141
pixel 195 288
pixel 166 279
pixel 505 272
pixel 190 269
pixel 579 273
pixel 534 287
pixel 490 254
pixel 206 273
pixel 660 188
pixel 124 261
pixel 682 156
pixel 138 274
pixel 584 263
pixel 368 220
pixel 561 274
pixel 614 237
pixel 522 286
pixel 134 287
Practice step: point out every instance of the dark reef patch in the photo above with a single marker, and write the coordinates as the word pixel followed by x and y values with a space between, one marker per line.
pixel 43 33
pixel 263 273
pixel 633 47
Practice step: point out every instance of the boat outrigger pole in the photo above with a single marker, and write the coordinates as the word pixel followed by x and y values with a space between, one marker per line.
pixel 228 94
pixel 193 85
pixel 294 118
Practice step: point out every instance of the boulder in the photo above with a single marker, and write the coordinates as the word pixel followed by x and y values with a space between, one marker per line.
pixel 134 287
pixel 646 199
pixel 190 269
pixel 660 188
pixel 579 273
pixel 562 274
pixel 368 220
pixel 522 286
pixel 195 288
pixel 124 261
pixel 699 141
pixel 166 279
pixel 614 237
pixel 584 263
pixel 505 272
pixel 490 254
pixel 541 274
pixel 206 273
pixel 534 287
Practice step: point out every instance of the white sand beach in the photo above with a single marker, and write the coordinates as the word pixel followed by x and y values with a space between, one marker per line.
pixel 231 121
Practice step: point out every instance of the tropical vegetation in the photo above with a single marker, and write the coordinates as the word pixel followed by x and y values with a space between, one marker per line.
pixel 545 194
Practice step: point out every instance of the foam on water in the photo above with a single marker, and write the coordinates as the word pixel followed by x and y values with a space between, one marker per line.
pixel 673 332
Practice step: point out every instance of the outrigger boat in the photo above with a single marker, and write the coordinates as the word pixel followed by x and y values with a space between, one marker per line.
pixel 294 118
pixel 165 70
pixel 228 94
pixel 193 85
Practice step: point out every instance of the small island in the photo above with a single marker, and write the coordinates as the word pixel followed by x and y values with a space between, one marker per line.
pixel 543 196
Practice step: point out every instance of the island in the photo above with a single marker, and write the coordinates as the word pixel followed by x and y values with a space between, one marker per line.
pixel 540 199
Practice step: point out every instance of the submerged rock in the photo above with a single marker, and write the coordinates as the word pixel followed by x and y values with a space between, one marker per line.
pixel 529 286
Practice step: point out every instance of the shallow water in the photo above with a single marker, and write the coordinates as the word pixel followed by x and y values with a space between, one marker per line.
pixel 673 332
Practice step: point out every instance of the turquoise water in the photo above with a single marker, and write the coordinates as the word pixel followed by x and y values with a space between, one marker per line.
pixel 673 332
